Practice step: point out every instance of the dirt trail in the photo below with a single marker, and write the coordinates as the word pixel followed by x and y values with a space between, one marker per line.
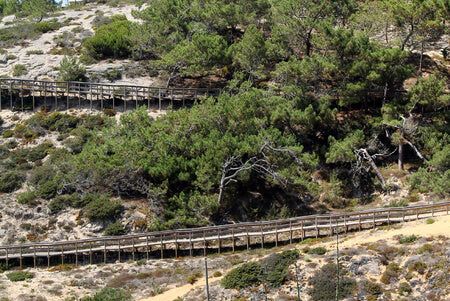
pixel 441 226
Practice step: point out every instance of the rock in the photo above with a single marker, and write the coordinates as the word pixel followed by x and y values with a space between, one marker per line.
pixel 94 227
pixel 2 233
pixel 3 59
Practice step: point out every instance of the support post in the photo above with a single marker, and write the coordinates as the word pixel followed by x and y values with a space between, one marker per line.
pixel 76 254
pixel 233 241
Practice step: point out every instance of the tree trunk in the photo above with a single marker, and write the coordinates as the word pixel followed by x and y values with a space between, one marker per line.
pixel 374 166
pixel 308 44
pixel 400 156
pixel 407 37
pixel 421 56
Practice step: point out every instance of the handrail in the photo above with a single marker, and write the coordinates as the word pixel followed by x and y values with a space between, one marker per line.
pixel 246 230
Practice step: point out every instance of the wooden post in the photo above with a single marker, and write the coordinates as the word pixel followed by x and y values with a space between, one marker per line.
pixel 171 98
pixel 101 98
pixel 90 97
pixel 220 241
pixel 76 254
pixel 303 231
pixel 204 243
pixel 276 234
pixel 90 253
pixel 373 218
pixel 119 250
pixel 190 244
pixel 20 259
pixel 62 254
pixel 233 241
pixel 176 244
pixel 1 97
pixel 7 258
pixel 45 95
pixel 389 217
pixel 331 228
pixel 159 98
pixel 48 256
pixel 148 248
pixel 345 224
pixel 31 96
pixel 79 95
pixel 248 239
pixel 34 257
pixel 432 211
pixel 359 221
pixel 417 214
pixel 10 96
pixel 132 250
pixel 162 247
pixel 114 100
pixel 56 96
pixel 317 228
pixel 290 232
pixel 104 251
pixel 67 86
pixel 403 215
pixel 137 96
pixel 262 237
pixel 148 99
pixel 21 95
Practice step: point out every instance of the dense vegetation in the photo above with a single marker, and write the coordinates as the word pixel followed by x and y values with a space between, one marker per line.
pixel 315 110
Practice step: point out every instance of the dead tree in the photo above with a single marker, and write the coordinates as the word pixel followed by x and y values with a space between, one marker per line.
pixel 260 163
pixel 362 155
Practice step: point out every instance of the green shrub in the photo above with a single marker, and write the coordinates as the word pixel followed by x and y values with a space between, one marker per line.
pixel 404 289
pixel 65 124
pixel 26 197
pixel 45 26
pixel 70 69
pixel 110 294
pixel 19 276
pixel 60 202
pixel 92 122
pixel 398 203
pixel 372 288
pixel 30 52
pixel 191 279
pixel 430 221
pixel 246 275
pixel 318 251
pixel 11 181
pixel 48 189
pixel 425 248
pixel 115 229
pixel 111 40
pixel 418 266
pixel 113 74
pixel 4 267
pixel 109 112
pixel 407 239
pixel 392 271
pixel 7 133
pixel 102 208
pixel 19 70
pixel 39 152
pixel 324 284
pixel 275 269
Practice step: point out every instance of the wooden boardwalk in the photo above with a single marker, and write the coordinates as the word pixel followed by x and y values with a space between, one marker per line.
pixel 25 95
pixel 207 239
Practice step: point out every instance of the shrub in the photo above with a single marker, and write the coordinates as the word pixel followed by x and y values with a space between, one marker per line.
pixel 109 112
pixel 48 189
pixel 115 229
pixel 26 197
pixel 407 239
pixel 39 152
pixel 70 69
pixel 59 203
pixel 372 288
pixel 318 251
pixel 391 271
pixel 404 289
pixel 102 208
pixel 217 274
pixel 11 181
pixel 324 284
pixel 425 248
pixel 7 133
pixel 191 279
pixel 113 74
pixel 398 203
pixel 111 40
pixel 418 266
pixel 19 70
pixel 246 275
pixel 19 276
pixel 65 123
pixel 3 267
pixel 430 221
pixel 275 270
pixel 110 294
pixel 45 26
pixel 29 52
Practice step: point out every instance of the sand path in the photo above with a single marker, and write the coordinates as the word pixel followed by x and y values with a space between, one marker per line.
pixel 441 226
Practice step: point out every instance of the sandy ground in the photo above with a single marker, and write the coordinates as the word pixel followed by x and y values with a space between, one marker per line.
pixel 441 226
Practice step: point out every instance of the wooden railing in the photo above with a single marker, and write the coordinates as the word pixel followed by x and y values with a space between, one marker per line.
pixel 241 235
pixel 21 94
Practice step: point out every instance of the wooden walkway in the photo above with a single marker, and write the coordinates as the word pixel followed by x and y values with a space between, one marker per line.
pixel 24 95
pixel 207 239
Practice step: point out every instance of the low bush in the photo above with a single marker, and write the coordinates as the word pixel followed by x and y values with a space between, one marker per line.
pixel 39 152
pixel 418 266
pixel 102 208
pixel 7 133
pixel 425 248
pixel 407 239
pixel 26 197
pixel 392 271
pixel 109 294
pixel 115 229
pixel 58 203
pixel 246 275
pixel 46 26
pixel 70 69
pixel 191 279
pixel 430 221
pixel 11 181
pixel 318 251
pixel 404 289
pixel 113 74
pixel 4 267
pixel 19 276
pixel 398 203
pixel 19 70
pixel 372 288
pixel 109 112
pixel 49 189
pixel 324 284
